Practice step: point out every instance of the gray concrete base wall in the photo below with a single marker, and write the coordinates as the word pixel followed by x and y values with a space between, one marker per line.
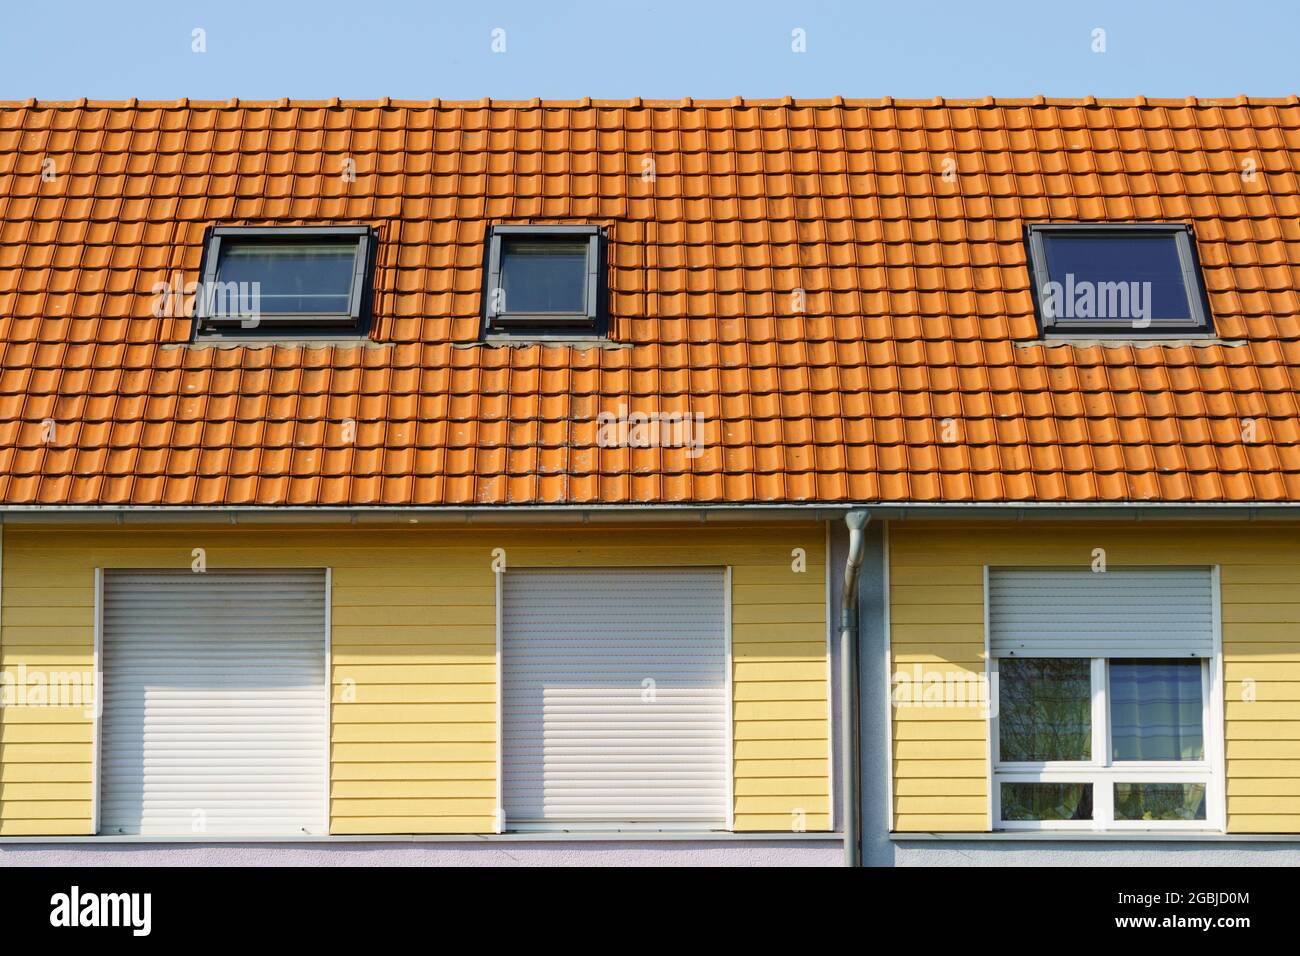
pixel 1053 853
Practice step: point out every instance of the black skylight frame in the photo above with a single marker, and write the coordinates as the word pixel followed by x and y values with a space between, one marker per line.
pixel 1199 320
pixel 350 323
pixel 593 321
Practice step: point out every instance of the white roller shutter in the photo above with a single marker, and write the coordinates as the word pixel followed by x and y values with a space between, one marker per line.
pixel 614 699
pixel 1121 612
pixel 214 719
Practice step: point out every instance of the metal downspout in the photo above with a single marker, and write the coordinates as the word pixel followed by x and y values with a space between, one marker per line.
pixel 849 742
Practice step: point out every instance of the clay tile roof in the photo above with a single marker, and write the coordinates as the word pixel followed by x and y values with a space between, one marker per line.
pixel 910 370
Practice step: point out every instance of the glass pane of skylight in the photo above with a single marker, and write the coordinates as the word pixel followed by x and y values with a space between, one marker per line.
pixel 539 276
pixel 309 277
pixel 1115 279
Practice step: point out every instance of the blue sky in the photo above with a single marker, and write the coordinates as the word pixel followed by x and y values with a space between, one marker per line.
pixel 612 49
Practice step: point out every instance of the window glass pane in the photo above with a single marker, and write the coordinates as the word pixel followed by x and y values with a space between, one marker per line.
pixel 312 277
pixel 1155 710
pixel 1159 801
pixel 544 276
pixel 1087 266
pixel 1046 801
pixel 1045 708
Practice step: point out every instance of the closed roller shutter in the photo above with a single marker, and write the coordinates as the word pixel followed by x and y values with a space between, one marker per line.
pixel 1121 612
pixel 214 716
pixel 614 703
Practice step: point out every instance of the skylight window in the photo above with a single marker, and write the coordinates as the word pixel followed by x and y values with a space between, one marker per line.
pixel 544 279
pixel 1117 278
pixel 268 279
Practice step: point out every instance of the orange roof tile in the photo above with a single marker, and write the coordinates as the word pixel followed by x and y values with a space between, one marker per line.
pixel 909 373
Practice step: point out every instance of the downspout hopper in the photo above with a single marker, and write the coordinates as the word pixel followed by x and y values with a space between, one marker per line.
pixel 857 522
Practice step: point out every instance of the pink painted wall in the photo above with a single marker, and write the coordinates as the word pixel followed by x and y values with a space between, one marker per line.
pixel 488 853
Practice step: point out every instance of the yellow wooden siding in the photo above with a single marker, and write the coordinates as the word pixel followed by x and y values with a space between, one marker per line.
pixel 940 755
pixel 413 745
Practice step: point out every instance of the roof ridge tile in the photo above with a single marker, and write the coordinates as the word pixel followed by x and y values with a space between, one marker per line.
pixel 884 102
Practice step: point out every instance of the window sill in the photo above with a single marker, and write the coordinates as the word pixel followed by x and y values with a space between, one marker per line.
pixel 1091 836
pixel 519 340
pixel 608 836
pixel 1141 341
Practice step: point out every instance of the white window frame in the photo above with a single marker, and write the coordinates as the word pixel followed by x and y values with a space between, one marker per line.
pixel 1103 772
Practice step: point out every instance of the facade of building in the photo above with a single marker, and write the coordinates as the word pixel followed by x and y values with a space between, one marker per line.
pixel 272 683
pixel 1149 653
pixel 781 482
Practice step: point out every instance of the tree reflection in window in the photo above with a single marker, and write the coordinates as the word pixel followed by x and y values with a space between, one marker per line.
pixel 1046 801
pixel 1045 709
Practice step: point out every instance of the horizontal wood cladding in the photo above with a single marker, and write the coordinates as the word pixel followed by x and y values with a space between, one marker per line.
pixel 413 743
pixel 940 755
